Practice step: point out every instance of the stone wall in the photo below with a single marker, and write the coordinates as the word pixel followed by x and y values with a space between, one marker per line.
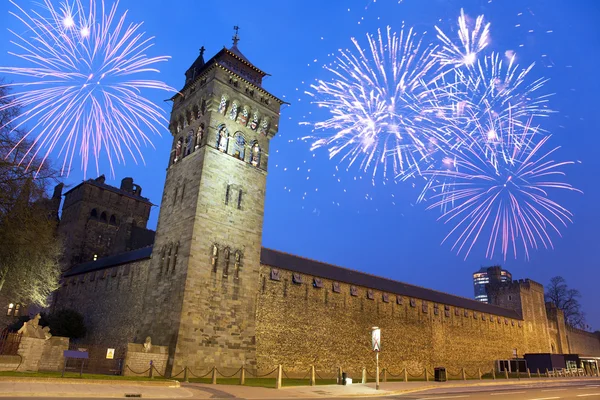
pixel 9 363
pixel 110 301
pixel 52 355
pixel 138 359
pixel 583 343
pixel 299 325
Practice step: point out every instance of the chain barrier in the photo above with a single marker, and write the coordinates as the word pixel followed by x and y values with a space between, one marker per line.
pixel 284 373
pixel 159 374
pixel 262 376
pixel 180 372
pixel 228 376
pixel 419 375
pixel 394 375
pixel 370 375
pixel 201 376
pixel 451 374
pixel 307 375
pixel 320 377
pixel 138 373
pixel 475 375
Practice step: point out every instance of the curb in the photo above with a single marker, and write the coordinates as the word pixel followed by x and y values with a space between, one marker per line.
pixel 118 382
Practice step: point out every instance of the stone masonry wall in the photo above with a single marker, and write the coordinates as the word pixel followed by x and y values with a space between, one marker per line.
pixel 110 301
pixel 299 326
pixel 9 363
pixel 138 359
pixel 583 343
pixel 52 356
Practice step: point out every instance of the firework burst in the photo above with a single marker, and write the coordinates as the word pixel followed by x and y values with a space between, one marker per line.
pixel 77 88
pixel 473 39
pixel 381 109
pixel 506 200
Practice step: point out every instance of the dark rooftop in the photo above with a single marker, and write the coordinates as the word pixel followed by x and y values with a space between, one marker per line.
pixel 111 261
pixel 277 259
pixel 115 189
pixel 306 266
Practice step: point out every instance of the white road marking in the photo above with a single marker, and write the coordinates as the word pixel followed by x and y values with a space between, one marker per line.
pixel 503 393
pixel 445 397
pixel 546 398
pixel 588 394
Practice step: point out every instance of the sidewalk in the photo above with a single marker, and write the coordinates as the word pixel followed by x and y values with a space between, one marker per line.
pixel 82 389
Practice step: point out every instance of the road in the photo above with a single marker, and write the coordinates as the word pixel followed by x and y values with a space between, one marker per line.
pixel 565 391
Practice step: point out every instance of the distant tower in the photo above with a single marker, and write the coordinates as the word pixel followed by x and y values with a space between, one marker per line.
pixel 204 272
pixel 488 276
pixel 99 220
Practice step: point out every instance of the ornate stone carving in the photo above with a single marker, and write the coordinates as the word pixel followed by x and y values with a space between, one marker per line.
pixel 148 344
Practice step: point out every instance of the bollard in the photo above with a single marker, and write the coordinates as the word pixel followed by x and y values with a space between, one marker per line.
pixel 519 375
pixel 464 375
pixel 547 373
pixel 150 372
pixel 279 373
pixel 313 381
pixel 339 378
pixel 405 375
pixel 506 373
pixel 493 374
pixel 214 376
pixel 479 372
pixel 528 373
pixel 426 376
pixel 364 376
pixel 243 375
pixel 538 373
pixel 185 375
pixel 384 375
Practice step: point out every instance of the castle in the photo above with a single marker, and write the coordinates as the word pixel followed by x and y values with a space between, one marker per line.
pixel 204 287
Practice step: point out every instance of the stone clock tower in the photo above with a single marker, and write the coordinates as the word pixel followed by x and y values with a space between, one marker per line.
pixel 204 273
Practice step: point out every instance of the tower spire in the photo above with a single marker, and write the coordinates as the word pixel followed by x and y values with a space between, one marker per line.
pixel 236 37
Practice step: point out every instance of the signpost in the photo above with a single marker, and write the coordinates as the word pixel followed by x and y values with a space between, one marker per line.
pixel 110 354
pixel 376 342
pixel 82 355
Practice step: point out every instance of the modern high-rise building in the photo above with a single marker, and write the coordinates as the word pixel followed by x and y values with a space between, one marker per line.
pixel 488 275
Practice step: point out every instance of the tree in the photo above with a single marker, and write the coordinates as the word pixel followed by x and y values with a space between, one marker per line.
pixel 30 248
pixel 567 300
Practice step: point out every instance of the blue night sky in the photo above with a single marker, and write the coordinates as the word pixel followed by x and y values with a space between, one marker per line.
pixel 350 222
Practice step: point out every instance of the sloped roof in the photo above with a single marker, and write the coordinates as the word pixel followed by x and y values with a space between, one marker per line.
pixel 112 189
pixel 111 261
pixel 277 259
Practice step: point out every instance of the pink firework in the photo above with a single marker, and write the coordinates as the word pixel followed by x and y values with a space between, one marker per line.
pixel 78 86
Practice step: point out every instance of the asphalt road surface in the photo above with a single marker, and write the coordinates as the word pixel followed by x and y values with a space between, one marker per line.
pixel 566 391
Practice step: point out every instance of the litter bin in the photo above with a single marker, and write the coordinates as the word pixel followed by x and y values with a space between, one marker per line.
pixel 344 376
pixel 440 374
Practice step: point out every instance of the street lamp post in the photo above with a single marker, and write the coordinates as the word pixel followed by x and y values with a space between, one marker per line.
pixel 376 341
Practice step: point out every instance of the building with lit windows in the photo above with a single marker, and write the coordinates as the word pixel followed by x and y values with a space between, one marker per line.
pixel 488 275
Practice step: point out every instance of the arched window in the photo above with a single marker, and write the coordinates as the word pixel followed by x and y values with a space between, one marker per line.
pixel 239 146
pixel 243 117
pixel 264 126
pixel 233 112
pixel 202 107
pixel 223 105
pixel 254 122
pixel 10 309
pixel 222 138
pixel 189 143
pixel 255 155
pixel 226 258
pixel 195 112
pixel 178 148
pixel 169 257
pixel 162 259
pixel 186 119
pixel 238 263
pixel 199 135
pixel 113 220
pixel 214 257
pixel 103 217
pixel 94 213
pixel 175 257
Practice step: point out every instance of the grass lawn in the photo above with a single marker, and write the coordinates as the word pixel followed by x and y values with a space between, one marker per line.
pixel 263 382
pixel 75 375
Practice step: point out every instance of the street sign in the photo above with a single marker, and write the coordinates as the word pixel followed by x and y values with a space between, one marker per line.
pixel 376 338
pixel 110 354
